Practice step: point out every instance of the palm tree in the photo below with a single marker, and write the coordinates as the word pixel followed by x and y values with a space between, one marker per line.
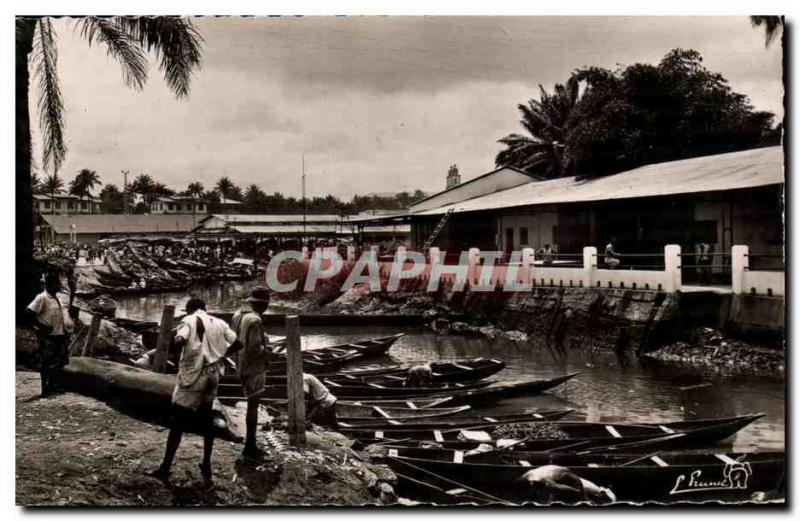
pixel 772 25
pixel 84 183
pixel 224 187
pixel 547 121
pixel 52 185
pixel 176 44
pixel 195 190
pixel 144 186
pixel 36 183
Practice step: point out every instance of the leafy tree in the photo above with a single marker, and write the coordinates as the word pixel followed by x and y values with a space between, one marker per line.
pixel 177 47
pixel 645 113
pixel 224 187
pixel 145 186
pixel 112 200
pixel 547 122
pixel 772 26
pixel 195 190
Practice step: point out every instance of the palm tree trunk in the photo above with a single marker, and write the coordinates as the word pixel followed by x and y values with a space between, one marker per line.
pixel 27 285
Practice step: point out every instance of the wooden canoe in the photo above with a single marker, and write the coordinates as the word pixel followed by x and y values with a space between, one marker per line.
pixel 659 477
pixel 358 391
pixel 443 372
pixel 349 411
pixel 388 424
pixel 580 436
pixel 138 392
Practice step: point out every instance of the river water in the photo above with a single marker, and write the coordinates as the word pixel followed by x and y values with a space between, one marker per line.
pixel 608 389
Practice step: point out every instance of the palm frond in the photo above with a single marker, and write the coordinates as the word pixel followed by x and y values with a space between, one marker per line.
pixel 771 24
pixel 119 45
pixel 176 43
pixel 50 103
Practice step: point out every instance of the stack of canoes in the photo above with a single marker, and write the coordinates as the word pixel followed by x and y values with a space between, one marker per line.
pixel 444 451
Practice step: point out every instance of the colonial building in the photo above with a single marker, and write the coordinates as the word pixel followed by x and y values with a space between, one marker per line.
pixel 178 205
pixel 65 204
pixel 723 200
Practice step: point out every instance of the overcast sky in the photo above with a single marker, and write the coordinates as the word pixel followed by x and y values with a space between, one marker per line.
pixel 376 104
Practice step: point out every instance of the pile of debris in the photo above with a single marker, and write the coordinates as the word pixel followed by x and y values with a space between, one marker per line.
pixel 709 347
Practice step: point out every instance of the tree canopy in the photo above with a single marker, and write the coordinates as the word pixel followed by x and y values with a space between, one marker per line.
pixel 635 115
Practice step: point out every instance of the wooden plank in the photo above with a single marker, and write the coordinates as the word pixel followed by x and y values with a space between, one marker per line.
pixel 164 339
pixel 294 381
pixel 91 336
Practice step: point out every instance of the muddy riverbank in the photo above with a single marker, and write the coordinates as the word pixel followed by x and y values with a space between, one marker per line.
pixel 95 455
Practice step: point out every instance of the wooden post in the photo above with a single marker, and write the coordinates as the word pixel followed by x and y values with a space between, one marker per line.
pixel 294 383
pixel 164 339
pixel 91 335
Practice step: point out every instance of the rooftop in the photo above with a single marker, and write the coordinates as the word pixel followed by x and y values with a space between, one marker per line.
pixel 120 223
pixel 722 172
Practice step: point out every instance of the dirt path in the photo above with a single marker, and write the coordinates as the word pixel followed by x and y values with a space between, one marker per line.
pixel 75 450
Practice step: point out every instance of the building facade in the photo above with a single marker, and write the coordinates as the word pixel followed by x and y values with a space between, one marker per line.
pixel 722 200
pixel 178 205
pixel 65 204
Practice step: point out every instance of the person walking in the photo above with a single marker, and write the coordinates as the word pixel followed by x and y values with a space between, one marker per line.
pixel 205 341
pixel 253 360
pixel 46 315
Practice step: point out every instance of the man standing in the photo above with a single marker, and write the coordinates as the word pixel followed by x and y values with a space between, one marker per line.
pixel 46 316
pixel 253 360
pixel 205 341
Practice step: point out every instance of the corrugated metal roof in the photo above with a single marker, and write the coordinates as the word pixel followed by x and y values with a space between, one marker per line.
pixel 732 171
pixel 290 229
pixel 118 223
pixel 276 218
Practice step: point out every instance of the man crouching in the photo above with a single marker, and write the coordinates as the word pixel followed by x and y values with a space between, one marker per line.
pixel 204 341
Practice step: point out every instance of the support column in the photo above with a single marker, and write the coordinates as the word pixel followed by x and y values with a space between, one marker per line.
pixel 740 262
pixel 472 270
pixel 164 339
pixel 672 267
pixel 526 267
pixel 589 266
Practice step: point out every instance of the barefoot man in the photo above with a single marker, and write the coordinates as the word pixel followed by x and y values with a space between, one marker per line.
pixel 205 341
pixel 253 360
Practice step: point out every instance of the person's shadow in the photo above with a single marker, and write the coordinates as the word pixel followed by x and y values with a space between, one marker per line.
pixel 260 477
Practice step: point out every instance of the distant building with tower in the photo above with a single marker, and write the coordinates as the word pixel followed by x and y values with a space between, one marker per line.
pixel 453 179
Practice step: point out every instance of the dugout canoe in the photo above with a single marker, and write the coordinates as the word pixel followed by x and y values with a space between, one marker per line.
pixel 579 436
pixel 709 476
pixel 138 392
pixel 443 372
pixel 349 392
pixel 348 411
pixel 391 424
pixel 328 359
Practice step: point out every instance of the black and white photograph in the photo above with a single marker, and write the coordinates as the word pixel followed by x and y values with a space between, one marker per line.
pixel 400 261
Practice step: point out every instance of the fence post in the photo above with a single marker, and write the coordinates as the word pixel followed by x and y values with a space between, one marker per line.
pixel 164 339
pixel 294 382
pixel 91 336
pixel 672 267
pixel 589 266
pixel 739 264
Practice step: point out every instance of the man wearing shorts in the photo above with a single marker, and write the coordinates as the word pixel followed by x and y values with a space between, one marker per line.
pixel 253 360
pixel 205 341
pixel 46 315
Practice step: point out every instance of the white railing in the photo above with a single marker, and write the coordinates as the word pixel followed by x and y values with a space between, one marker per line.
pixel 745 280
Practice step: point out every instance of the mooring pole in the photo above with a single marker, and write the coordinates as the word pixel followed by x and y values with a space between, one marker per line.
pixel 164 339
pixel 94 328
pixel 294 382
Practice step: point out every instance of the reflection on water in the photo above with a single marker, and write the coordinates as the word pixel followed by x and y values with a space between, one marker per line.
pixel 605 391
pixel 221 296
